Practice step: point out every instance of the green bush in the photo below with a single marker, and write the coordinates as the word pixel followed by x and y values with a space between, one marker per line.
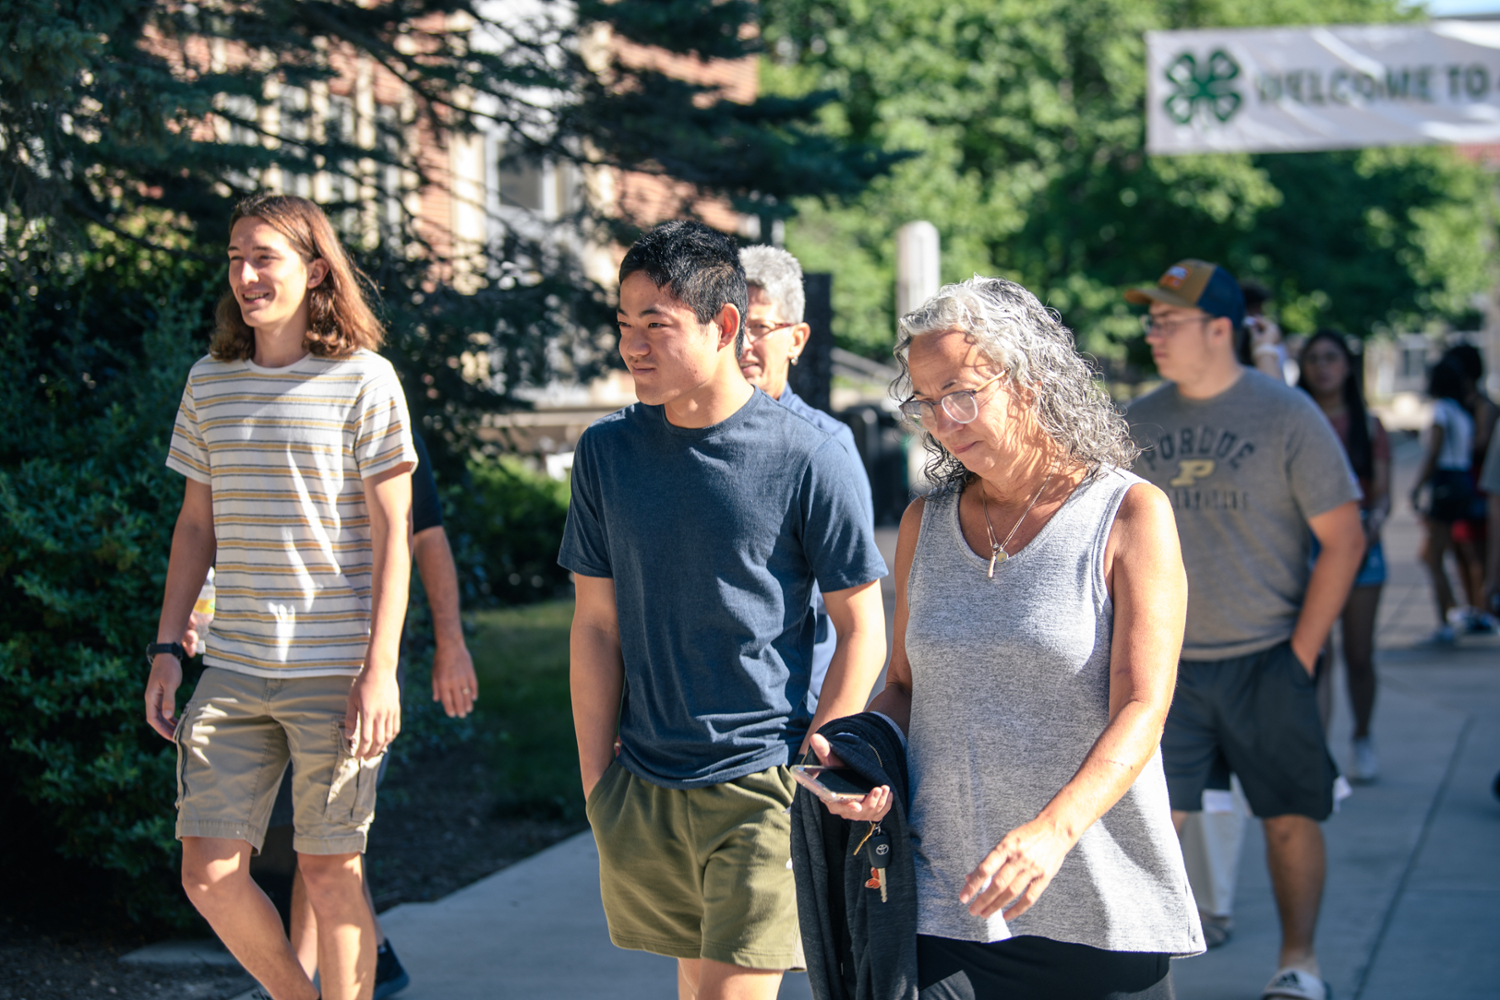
pixel 91 369
pixel 506 524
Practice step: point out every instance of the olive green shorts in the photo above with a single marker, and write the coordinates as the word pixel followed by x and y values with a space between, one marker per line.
pixel 234 741
pixel 700 872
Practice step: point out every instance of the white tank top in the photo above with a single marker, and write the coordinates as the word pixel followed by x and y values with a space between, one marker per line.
pixel 1010 689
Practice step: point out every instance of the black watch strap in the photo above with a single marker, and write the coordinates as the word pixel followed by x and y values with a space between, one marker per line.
pixel 155 649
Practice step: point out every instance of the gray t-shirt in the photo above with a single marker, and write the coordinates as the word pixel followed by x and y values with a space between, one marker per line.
pixel 1245 471
pixel 714 538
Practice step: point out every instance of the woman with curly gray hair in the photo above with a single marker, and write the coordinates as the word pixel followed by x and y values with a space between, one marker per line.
pixel 1040 606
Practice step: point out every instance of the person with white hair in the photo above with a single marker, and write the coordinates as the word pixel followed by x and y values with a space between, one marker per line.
pixel 1040 606
pixel 775 337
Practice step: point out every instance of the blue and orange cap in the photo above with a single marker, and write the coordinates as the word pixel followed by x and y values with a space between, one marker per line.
pixel 1195 284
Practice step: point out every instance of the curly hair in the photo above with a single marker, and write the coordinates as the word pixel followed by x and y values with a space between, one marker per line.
pixel 1020 335
pixel 340 320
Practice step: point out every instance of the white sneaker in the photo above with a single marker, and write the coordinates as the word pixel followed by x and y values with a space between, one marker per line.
pixel 1366 760
pixel 1294 984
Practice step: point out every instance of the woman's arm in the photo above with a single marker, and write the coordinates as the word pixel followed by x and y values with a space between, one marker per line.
pixel 1146 579
pixel 1429 463
pixel 1380 480
pixel 894 700
pixel 1484 424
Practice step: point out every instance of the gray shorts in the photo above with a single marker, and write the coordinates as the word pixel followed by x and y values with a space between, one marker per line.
pixel 1256 716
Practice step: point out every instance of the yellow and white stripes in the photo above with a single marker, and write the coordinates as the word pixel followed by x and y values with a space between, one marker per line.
pixel 285 452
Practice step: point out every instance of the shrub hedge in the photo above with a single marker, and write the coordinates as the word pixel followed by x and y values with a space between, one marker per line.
pixel 91 370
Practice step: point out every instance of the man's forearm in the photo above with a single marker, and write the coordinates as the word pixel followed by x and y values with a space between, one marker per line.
pixel 851 675
pixel 1327 592
pixel 596 680
pixel 389 588
pixel 440 581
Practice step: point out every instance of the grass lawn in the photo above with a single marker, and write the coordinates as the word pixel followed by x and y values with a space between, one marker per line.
pixel 524 718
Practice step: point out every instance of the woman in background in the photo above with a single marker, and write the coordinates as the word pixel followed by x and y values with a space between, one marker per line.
pixel 1445 467
pixel 1330 375
pixel 1472 529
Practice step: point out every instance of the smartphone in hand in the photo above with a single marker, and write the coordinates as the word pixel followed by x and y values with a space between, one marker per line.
pixel 831 784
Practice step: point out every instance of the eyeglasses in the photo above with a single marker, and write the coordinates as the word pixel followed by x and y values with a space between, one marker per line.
pixel 755 334
pixel 1150 324
pixel 961 406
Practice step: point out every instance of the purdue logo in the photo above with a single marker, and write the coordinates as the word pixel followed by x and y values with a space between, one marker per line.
pixel 1190 470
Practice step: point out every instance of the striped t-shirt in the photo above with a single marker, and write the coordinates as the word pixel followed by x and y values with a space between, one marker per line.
pixel 285 451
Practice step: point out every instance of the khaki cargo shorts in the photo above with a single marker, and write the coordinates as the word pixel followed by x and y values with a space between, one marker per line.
pixel 699 872
pixel 234 741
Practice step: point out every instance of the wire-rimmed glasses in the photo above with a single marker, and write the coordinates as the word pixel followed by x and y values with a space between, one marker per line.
pixel 1152 324
pixel 961 406
pixel 754 333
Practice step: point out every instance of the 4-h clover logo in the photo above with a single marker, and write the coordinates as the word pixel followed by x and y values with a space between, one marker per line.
pixel 1210 85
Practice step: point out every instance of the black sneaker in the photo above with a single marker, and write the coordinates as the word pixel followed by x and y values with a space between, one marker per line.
pixel 390 977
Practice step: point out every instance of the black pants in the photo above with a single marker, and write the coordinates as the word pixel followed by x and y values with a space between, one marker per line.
pixel 1036 968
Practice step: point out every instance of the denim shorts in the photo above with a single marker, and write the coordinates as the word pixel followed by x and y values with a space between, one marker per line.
pixel 1372 570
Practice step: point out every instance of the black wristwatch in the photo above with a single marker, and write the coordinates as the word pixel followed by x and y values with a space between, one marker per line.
pixel 155 649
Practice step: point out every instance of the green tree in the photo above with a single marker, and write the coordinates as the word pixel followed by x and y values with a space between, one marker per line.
pixel 1028 116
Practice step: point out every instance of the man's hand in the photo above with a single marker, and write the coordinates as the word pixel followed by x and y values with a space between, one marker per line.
pixel 872 808
pixel 161 694
pixel 1309 662
pixel 373 717
pixel 453 680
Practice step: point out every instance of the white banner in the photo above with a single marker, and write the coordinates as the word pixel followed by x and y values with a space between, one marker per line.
pixel 1286 89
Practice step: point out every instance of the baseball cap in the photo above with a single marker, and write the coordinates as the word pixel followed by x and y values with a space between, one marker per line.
pixel 1195 284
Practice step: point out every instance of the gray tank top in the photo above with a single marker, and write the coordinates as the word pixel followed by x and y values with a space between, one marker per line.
pixel 1010 689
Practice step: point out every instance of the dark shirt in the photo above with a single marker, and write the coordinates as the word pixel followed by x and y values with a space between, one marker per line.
pixel 714 538
pixel 826 638
pixel 426 509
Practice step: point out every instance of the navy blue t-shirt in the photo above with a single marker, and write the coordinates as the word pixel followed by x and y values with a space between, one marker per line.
pixel 714 538
pixel 426 508
pixel 826 639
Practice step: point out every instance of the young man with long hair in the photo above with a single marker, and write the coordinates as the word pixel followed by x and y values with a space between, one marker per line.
pixel 295 441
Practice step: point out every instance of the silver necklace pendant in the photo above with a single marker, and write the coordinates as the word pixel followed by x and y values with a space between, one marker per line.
pixel 996 556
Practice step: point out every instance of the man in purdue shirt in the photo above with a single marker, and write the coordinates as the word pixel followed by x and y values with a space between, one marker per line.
pixel 1254 471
